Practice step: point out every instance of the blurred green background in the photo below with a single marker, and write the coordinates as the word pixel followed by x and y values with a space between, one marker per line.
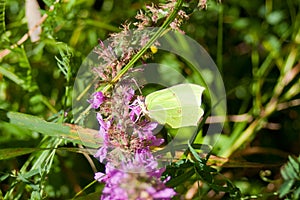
pixel 255 45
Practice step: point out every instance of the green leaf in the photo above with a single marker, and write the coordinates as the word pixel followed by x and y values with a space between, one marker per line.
pixel 285 188
pixel 181 178
pixel 70 132
pixel 25 176
pixel 177 106
pixel 205 175
pixel 10 75
pixel 14 152
pixel 297 193
pixel 284 174
pixel 5 176
pixel 294 164
pixel 195 154
pixel 35 195
pixel 291 175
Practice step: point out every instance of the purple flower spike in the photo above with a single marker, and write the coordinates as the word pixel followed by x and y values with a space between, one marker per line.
pixel 101 154
pixel 166 193
pixel 104 125
pixel 132 171
pixel 136 111
pixel 122 185
pixel 130 94
pixel 97 100
pixel 99 176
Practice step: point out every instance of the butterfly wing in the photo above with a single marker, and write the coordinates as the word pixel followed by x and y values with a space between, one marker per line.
pixel 177 106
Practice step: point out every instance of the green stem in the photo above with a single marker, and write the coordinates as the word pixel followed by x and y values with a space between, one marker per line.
pixel 85 188
pixel 48 104
pixel 137 56
pixel 270 107
pixel 242 138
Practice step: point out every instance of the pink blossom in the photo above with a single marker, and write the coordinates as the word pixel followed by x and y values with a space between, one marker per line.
pixel 97 100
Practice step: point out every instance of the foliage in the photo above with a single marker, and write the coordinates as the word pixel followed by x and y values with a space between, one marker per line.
pixel 256 47
pixel 291 176
pixel 189 171
pixel 2 15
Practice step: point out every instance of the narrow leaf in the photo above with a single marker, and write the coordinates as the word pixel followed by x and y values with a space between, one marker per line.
pixel 11 76
pixel 180 179
pixel 14 152
pixel 195 154
pixel 297 193
pixel 204 172
pixel 285 188
pixel 70 132
pixel 294 164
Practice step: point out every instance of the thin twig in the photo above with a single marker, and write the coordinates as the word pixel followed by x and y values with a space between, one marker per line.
pixel 88 158
pixel 285 105
pixel 231 118
pixel 264 150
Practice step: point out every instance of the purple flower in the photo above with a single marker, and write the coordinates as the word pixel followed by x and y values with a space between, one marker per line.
pixel 129 94
pixel 99 176
pixel 136 110
pixel 131 169
pixel 122 185
pixel 101 153
pixel 166 193
pixel 146 133
pixel 103 132
pixel 113 179
pixel 136 179
pixel 97 100
pixel 104 125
